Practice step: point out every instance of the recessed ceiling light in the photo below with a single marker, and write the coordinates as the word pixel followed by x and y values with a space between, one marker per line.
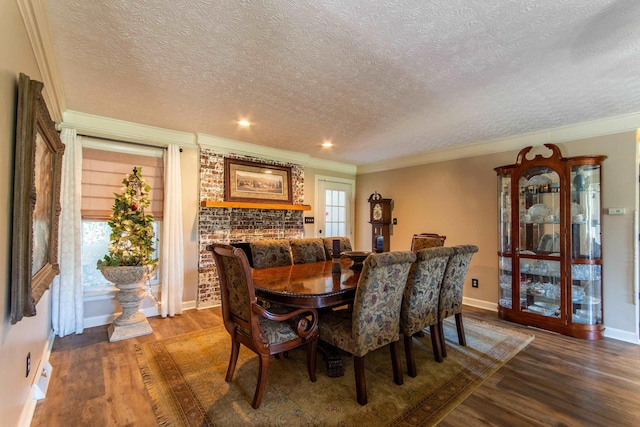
pixel 244 123
pixel 327 144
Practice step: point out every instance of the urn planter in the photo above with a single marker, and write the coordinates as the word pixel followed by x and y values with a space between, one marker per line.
pixel 130 280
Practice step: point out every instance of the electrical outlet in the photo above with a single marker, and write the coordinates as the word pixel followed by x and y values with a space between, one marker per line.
pixel 28 364
pixel 474 283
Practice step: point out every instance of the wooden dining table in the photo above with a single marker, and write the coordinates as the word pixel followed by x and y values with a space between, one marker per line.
pixel 311 285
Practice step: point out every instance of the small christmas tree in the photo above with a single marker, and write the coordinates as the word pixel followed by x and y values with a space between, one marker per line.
pixel 132 236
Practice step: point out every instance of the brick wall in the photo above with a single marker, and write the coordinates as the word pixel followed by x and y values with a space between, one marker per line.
pixel 226 225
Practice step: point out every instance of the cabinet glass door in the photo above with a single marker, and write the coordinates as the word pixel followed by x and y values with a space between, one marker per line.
pixel 539 241
pixel 504 240
pixel 586 264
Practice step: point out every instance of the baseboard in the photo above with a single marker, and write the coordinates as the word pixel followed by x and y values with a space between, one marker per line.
pixel 40 384
pixel 620 335
pixel 478 303
pixel 107 319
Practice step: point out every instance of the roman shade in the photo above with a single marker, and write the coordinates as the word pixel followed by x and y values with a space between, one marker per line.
pixel 102 175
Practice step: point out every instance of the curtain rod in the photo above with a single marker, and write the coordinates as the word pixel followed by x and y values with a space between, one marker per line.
pixel 142 144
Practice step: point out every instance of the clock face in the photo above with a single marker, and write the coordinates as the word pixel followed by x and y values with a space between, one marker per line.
pixel 377 212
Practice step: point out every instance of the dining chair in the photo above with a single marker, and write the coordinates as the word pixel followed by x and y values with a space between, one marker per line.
pixel 271 253
pixel 374 319
pixel 307 250
pixel 426 240
pixel 345 245
pixel 420 301
pixel 258 329
pixel 450 303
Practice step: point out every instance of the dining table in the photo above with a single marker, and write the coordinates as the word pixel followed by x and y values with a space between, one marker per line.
pixel 311 285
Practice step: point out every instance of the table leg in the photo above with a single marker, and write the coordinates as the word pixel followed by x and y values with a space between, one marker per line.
pixel 333 359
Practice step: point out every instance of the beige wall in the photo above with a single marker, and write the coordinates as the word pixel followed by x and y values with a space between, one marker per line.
pixel 459 199
pixel 30 334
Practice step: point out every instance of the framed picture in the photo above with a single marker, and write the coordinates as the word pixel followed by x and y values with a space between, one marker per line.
pixel 36 200
pixel 255 182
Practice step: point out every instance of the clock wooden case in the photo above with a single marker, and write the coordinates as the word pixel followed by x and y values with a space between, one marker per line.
pixel 380 219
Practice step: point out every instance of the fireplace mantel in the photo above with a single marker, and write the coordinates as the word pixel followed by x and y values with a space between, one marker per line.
pixel 249 205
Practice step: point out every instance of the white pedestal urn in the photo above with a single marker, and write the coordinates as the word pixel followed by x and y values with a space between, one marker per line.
pixel 130 280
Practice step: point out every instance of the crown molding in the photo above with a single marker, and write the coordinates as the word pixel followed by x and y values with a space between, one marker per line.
pixel 584 130
pixel 36 23
pixel 120 130
pixel 230 146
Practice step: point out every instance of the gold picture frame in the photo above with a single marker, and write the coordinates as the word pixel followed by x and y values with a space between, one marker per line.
pixel 36 200
pixel 246 181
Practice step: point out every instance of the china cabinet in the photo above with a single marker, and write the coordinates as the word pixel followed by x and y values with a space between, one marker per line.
pixel 549 242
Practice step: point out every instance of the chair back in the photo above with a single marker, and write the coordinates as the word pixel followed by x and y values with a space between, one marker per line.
pixel 376 305
pixel 426 240
pixel 453 282
pixel 271 253
pixel 307 250
pixel 345 245
pixel 422 292
pixel 236 289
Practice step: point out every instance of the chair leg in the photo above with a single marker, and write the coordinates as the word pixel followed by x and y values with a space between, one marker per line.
pixel 235 350
pixel 443 345
pixel 460 327
pixel 436 342
pixel 411 360
pixel 262 380
pixel 396 363
pixel 361 381
pixel 311 359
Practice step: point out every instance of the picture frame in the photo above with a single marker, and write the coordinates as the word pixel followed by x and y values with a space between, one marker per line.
pixel 246 181
pixel 36 200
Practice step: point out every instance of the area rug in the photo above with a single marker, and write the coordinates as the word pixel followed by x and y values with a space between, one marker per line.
pixel 185 379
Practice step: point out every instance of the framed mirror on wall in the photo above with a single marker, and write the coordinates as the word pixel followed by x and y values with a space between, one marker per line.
pixel 36 200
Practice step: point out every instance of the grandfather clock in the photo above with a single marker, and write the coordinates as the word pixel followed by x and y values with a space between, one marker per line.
pixel 380 218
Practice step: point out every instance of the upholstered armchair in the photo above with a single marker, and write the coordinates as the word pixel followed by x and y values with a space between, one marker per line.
pixel 426 240
pixel 307 250
pixel 374 319
pixel 271 253
pixel 420 301
pixel 250 324
pixel 451 292
pixel 345 245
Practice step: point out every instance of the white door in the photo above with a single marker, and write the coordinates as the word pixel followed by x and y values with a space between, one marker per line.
pixel 335 207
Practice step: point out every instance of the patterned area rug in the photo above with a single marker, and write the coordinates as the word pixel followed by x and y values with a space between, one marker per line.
pixel 185 378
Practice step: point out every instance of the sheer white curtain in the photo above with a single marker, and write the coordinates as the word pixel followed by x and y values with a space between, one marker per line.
pixel 66 290
pixel 172 253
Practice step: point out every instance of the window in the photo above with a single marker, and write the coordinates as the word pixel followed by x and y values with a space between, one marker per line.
pixel 336 213
pixel 104 166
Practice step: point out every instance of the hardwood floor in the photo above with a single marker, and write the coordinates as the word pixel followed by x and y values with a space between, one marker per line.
pixel 555 381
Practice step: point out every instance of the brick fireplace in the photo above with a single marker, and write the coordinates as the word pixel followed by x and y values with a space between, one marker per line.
pixel 234 225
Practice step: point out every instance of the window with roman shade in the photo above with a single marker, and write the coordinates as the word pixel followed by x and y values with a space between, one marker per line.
pixel 104 165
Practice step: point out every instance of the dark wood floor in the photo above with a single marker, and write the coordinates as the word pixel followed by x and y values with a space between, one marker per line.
pixel 556 381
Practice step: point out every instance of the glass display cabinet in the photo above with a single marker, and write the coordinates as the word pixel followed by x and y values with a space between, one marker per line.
pixel 549 242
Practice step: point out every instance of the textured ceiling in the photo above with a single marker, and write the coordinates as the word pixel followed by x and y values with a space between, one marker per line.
pixel 382 79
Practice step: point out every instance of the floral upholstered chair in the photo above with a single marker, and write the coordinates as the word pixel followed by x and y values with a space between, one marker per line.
pixel 307 250
pixel 345 245
pixel 426 240
pixel 420 301
pixel 451 292
pixel 250 324
pixel 271 253
pixel 374 319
